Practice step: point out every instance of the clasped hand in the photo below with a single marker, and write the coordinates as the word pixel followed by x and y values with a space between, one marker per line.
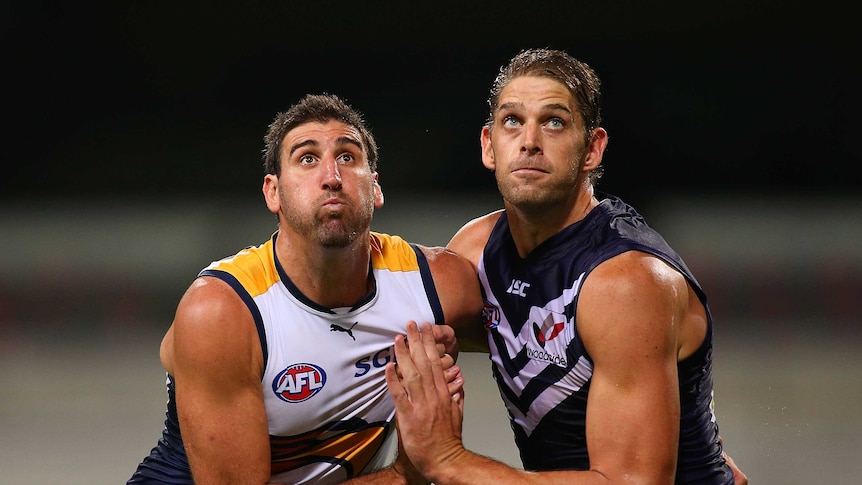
pixel 429 401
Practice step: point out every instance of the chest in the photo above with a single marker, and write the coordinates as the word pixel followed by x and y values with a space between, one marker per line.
pixel 325 368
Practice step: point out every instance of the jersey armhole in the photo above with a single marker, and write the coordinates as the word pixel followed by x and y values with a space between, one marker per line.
pixel 249 302
pixel 428 283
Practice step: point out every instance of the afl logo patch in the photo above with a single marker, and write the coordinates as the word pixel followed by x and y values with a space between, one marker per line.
pixel 490 315
pixel 298 382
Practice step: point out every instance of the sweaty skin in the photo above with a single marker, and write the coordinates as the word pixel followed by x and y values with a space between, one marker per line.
pixel 637 316
pixel 324 197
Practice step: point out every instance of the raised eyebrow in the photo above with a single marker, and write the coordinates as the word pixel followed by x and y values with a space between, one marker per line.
pixel 548 107
pixel 557 106
pixel 304 143
pixel 344 140
pixel 510 108
pixel 509 105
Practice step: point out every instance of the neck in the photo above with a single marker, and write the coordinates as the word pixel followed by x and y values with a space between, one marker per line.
pixel 330 277
pixel 532 226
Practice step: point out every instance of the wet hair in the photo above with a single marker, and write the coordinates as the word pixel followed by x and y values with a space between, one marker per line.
pixel 581 80
pixel 319 108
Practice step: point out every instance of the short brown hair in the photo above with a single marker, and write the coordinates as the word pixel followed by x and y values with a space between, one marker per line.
pixel 314 108
pixel 583 83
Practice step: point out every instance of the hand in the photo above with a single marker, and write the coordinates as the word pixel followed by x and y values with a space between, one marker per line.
pixel 447 348
pixel 444 335
pixel 428 415
pixel 403 468
pixel 739 478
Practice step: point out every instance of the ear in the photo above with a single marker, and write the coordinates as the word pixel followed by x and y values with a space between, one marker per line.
pixel 595 150
pixel 487 150
pixel 270 193
pixel 378 192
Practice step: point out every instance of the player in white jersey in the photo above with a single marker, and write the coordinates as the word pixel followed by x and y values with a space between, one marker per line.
pixel 276 355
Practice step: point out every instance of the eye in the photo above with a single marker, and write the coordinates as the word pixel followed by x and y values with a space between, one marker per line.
pixel 346 158
pixel 510 121
pixel 306 159
pixel 555 123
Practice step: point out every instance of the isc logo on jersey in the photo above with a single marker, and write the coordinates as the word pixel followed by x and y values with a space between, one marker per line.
pixel 299 382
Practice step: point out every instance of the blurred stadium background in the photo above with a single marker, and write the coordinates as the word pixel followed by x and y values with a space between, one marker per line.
pixel 132 161
pixel 88 290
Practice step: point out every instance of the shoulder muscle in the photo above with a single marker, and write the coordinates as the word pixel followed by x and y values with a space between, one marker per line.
pixel 470 240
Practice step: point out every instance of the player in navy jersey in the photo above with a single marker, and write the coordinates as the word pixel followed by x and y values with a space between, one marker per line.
pixel 600 337
pixel 276 356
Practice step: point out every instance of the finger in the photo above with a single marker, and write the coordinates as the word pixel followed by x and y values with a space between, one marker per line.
pixel 454 380
pixel 445 335
pixel 447 361
pixel 429 345
pixel 413 362
pixel 450 393
pixel 435 365
pixel 396 390
pixel 459 399
pixel 404 368
pixel 416 344
pixel 456 412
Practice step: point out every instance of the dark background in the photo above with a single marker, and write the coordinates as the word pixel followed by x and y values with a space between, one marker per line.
pixel 142 99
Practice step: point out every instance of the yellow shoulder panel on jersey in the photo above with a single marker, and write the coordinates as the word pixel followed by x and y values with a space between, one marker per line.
pixel 392 253
pixel 253 267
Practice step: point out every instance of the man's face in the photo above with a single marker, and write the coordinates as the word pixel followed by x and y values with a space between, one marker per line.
pixel 536 143
pixel 326 192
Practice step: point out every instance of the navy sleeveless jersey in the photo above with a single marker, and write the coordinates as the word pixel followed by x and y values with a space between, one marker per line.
pixel 539 362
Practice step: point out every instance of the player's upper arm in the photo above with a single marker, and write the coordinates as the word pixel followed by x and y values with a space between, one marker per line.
pixel 470 240
pixel 629 313
pixel 213 353
pixel 457 285
pixel 458 289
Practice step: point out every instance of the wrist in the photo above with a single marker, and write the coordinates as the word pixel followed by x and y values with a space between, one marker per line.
pixel 449 470
pixel 403 472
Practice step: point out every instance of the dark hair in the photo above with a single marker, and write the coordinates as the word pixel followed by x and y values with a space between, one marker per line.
pixel 582 81
pixel 314 108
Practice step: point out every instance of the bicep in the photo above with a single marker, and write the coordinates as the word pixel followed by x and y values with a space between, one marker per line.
pixel 216 364
pixel 458 290
pixel 469 243
pixel 628 316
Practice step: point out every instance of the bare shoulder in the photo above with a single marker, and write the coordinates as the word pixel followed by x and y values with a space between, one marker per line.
pixel 208 304
pixel 630 302
pixel 211 324
pixel 447 265
pixel 635 269
pixel 457 286
pixel 470 240
pixel 213 353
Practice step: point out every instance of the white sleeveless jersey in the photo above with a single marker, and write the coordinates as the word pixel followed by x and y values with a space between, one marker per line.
pixel 329 412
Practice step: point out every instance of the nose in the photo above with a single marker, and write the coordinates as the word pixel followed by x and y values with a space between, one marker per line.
pixel 331 174
pixel 531 137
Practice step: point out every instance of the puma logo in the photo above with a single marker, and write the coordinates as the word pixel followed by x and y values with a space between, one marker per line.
pixel 349 331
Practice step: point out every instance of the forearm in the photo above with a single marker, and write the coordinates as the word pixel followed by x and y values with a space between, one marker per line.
pixel 469 468
pixel 393 475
